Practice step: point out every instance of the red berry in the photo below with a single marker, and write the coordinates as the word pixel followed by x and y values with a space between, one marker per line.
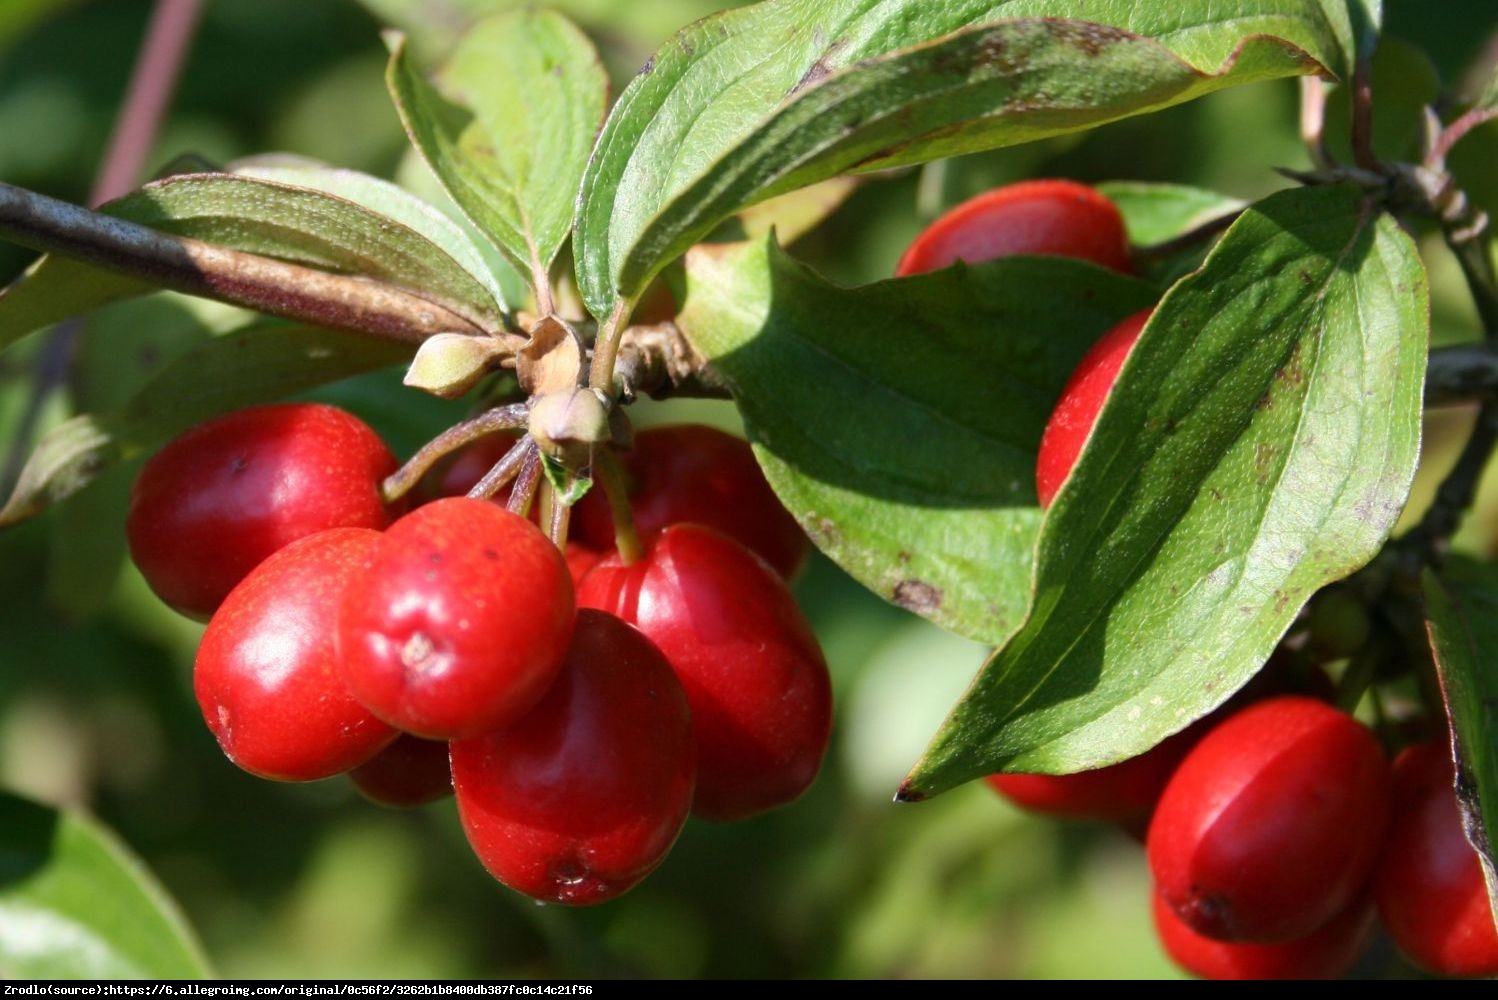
pixel 266 676
pixel 1081 400
pixel 1055 217
pixel 409 772
pixel 582 798
pixel 752 669
pixel 219 499
pixel 1328 952
pixel 1125 792
pixel 693 473
pixel 580 560
pixel 460 622
pixel 1271 824
pixel 1429 882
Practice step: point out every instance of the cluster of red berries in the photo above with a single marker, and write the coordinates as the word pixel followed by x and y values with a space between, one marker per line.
pixel 579 708
pixel 1275 828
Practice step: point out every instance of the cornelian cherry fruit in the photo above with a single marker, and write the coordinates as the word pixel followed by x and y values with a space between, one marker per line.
pixel 752 669
pixel 217 500
pixel 1056 217
pixel 698 474
pixel 266 677
pixel 1081 401
pixel 1272 823
pixel 1125 792
pixel 459 622
pixel 1328 952
pixel 409 772
pixel 584 796
pixel 1429 883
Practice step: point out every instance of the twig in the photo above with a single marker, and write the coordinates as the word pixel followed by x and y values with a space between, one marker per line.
pixel 243 279
pixel 658 361
pixel 1460 374
pixel 400 482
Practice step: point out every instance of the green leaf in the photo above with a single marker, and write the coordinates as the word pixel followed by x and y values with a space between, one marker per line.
pixel 1260 443
pixel 75 903
pixel 899 421
pixel 257 364
pixel 1462 623
pixel 1154 213
pixel 761 100
pixel 383 197
pixel 508 126
pixel 292 223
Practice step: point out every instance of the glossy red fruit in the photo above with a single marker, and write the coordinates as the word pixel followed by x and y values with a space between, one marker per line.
pixel 1055 217
pixel 266 676
pixel 752 668
pixel 692 473
pixel 219 499
pixel 460 621
pixel 1081 401
pixel 1329 952
pixel 1125 792
pixel 584 796
pixel 1429 881
pixel 1271 824
pixel 409 772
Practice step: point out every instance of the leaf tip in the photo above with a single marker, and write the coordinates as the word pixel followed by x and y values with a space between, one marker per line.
pixel 908 793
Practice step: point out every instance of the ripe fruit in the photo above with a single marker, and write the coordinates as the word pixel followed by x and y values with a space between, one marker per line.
pixel 1081 400
pixel 752 669
pixel 460 621
pixel 266 678
pixel 583 797
pixel 1056 217
pixel 695 473
pixel 1429 881
pixel 409 772
pixel 1125 792
pixel 1326 953
pixel 219 499
pixel 1271 824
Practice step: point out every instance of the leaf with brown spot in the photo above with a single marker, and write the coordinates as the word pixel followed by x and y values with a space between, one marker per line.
pixel 1109 660
pixel 768 98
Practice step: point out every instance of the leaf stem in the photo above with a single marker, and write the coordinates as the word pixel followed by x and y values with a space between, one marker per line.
pixel 193 267
pixel 400 482
pixel 606 349
pixel 1453 133
pixel 611 474
pixel 1362 115
pixel 1313 120
pixel 1187 240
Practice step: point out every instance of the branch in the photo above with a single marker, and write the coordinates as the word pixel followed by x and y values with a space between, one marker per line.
pixel 1460 375
pixel 658 361
pixel 242 279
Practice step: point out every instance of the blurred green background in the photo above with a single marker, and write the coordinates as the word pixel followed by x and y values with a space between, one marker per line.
pixel 96 709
